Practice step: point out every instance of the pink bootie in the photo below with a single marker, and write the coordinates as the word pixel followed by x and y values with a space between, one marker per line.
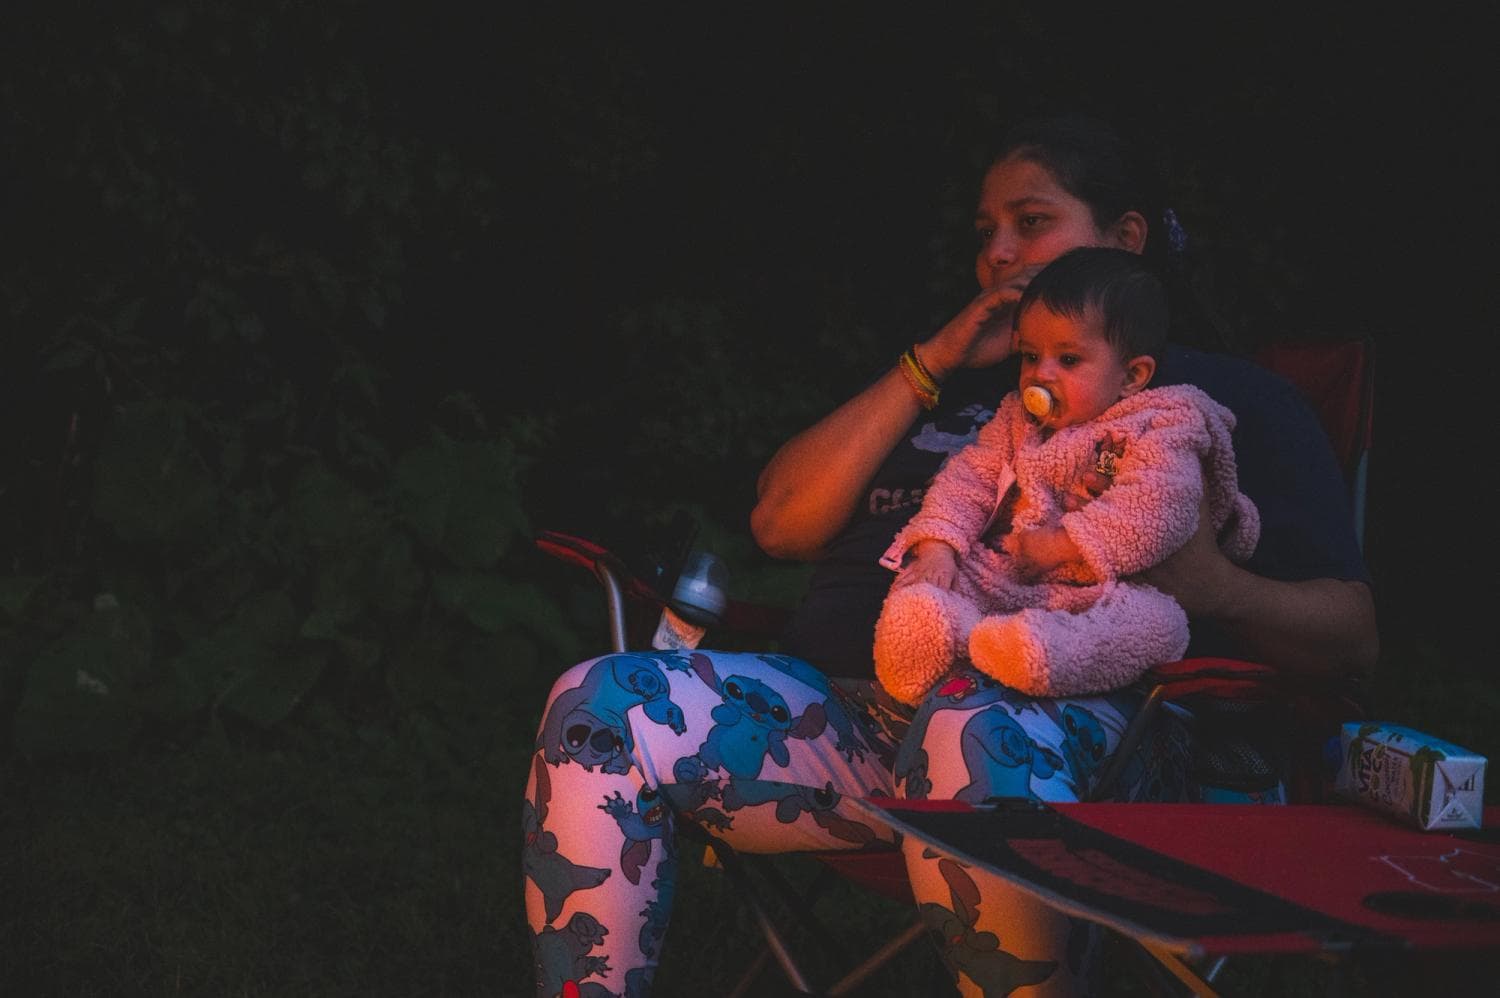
pixel 916 640
pixel 1003 647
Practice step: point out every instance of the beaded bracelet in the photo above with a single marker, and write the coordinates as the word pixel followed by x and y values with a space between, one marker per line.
pixel 923 384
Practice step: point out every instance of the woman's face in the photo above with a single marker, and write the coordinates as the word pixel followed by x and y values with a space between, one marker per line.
pixel 1025 220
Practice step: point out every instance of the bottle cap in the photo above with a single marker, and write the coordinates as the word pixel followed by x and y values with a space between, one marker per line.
pixel 702 590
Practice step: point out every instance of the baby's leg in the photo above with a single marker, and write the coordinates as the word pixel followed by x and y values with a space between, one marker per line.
pixel 921 632
pixel 1104 647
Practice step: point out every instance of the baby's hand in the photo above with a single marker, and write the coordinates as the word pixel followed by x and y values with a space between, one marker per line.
pixel 1078 496
pixel 1038 551
pixel 1014 544
pixel 932 562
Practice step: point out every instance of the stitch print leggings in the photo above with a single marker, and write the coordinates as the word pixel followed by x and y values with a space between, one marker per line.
pixel 762 750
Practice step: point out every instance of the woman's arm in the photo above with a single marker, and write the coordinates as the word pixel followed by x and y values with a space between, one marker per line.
pixel 808 490
pixel 1316 626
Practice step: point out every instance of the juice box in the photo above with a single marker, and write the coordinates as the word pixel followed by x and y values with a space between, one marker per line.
pixel 1422 780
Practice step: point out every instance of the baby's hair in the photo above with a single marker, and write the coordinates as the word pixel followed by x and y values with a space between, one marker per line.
pixel 1129 297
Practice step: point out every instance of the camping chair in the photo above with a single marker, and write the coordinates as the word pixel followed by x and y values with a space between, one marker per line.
pixel 1337 378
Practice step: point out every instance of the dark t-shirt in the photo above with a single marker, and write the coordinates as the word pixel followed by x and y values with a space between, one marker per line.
pixel 1286 466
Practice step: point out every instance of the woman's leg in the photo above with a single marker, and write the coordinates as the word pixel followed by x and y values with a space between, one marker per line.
pixel 974 738
pixel 760 749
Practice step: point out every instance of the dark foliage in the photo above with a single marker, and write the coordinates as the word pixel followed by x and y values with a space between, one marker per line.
pixel 309 313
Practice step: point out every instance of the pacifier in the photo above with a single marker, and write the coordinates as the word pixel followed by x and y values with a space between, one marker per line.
pixel 1036 400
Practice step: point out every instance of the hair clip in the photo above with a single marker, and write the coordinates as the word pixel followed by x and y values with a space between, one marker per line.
pixel 1177 237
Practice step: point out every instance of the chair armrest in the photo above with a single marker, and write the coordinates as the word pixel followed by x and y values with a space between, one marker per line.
pixel 1231 681
pixel 741 617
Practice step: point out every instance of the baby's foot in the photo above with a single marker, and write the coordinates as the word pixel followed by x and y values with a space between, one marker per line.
pixel 1002 647
pixel 914 644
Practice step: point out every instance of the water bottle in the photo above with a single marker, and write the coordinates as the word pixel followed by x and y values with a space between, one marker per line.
pixel 697 603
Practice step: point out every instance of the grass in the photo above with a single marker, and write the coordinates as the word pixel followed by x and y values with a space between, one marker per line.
pixel 328 858
pixel 320 862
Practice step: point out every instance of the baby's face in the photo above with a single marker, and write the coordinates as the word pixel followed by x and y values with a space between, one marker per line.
pixel 1072 360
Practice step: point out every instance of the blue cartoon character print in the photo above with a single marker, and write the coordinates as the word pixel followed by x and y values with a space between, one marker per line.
pixel 1001 757
pixel 974 954
pixel 835 711
pixel 654 929
pixel 554 875
pixel 640 823
pixel 1084 745
pixel 793 800
pixel 690 799
pixel 587 724
pixel 751 724
pixel 966 690
pixel 562 955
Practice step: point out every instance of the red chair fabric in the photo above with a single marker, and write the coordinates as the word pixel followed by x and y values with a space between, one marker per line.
pixel 1338 379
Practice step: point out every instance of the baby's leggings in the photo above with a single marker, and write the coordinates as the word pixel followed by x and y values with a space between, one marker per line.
pixel 763 750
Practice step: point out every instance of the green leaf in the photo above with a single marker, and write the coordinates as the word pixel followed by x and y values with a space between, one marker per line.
pixel 15 591
pixel 393 578
pixel 462 499
pixel 128 315
pixel 328 511
pixel 149 483
pixel 422 479
pixel 77 698
pixel 321 625
pixel 127 630
pixel 488 669
pixel 267 618
pixel 327 625
pixel 268 693
pixel 69 357
pixel 249 664
pixel 169 698
pixel 493 604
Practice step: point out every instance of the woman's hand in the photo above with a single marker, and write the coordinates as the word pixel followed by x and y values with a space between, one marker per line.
pixel 1194 575
pixel 812 486
pixel 930 561
pixel 1316 626
pixel 981 334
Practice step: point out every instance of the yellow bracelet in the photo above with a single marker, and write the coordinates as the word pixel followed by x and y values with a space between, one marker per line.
pixel 921 385
pixel 928 379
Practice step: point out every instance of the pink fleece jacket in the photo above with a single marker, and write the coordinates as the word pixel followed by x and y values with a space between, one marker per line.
pixel 1176 450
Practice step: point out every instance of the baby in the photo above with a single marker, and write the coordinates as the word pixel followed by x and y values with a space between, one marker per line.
pixel 1021 554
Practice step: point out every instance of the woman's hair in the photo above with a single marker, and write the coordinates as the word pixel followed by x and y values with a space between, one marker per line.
pixel 1129 298
pixel 1093 162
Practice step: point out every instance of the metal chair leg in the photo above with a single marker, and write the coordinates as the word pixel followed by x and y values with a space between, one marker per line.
pixel 775 943
pixel 878 959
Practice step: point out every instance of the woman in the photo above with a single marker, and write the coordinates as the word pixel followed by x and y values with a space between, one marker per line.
pixel 763 749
